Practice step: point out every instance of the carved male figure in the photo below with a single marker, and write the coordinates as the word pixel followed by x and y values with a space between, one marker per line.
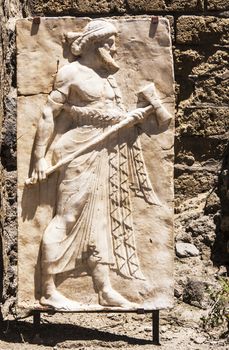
pixel 92 228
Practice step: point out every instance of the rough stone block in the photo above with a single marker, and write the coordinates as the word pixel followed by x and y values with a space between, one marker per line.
pixel 69 7
pixel 211 90
pixel 165 5
pixel 202 30
pixel 8 151
pixel 212 61
pixel 217 5
pixel 199 148
pixel 197 164
pixel 203 91
pixel 203 61
pixel 191 182
pixel 203 121
pixel 202 76
pixel 186 60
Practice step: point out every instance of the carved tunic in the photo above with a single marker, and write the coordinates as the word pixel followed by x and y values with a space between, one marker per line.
pixel 94 189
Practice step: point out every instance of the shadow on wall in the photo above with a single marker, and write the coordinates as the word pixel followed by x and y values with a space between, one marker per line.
pixel 220 249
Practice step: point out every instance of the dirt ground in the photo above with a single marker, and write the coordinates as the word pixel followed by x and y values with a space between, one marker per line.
pixel 179 329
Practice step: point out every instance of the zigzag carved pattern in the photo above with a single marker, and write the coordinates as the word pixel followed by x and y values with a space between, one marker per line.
pixel 129 240
pixel 121 222
pixel 116 217
pixel 146 189
pixel 121 216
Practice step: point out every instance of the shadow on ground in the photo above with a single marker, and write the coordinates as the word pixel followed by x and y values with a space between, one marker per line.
pixel 52 334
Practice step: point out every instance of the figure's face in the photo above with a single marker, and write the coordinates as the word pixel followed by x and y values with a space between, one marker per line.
pixel 106 51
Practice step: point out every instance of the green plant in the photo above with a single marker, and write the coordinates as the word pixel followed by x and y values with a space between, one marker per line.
pixel 218 314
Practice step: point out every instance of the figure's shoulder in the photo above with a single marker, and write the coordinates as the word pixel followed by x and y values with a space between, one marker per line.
pixel 71 71
pixel 67 71
pixel 65 76
pixel 71 74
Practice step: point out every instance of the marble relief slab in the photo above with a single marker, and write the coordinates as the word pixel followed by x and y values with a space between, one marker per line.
pixel 95 163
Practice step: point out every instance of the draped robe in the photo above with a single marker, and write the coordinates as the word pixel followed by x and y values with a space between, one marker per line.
pixel 95 191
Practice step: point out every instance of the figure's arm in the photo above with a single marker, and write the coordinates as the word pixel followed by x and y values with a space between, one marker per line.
pixel 112 116
pixel 44 132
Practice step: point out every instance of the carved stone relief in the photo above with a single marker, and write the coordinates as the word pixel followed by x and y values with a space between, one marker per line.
pixel 95 163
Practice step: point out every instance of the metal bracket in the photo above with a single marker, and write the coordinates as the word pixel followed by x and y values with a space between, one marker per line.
pixel 155 323
pixel 155 327
pixel 36 321
pixel 140 311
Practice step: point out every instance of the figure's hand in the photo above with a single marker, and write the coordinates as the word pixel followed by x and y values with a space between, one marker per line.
pixel 138 114
pixel 114 116
pixel 39 172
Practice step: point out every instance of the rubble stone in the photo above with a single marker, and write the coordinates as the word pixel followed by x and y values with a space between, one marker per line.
pixel 185 250
pixel 212 204
pixel 194 293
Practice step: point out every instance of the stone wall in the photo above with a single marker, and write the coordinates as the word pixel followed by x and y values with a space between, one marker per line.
pixel 200 44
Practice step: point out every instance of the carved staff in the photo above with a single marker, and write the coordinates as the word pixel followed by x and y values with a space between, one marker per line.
pixel 150 94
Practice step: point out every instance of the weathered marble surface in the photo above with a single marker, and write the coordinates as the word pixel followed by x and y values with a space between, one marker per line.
pixel 144 56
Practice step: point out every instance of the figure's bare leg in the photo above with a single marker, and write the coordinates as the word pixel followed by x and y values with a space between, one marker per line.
pixel 50 295
pixel 53 298
pixel 107 295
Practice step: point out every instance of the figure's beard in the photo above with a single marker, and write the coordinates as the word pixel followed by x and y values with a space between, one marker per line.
pixel 107 60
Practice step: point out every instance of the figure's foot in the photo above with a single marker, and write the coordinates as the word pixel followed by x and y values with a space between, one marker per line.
pixel 59 302
pixel 110 297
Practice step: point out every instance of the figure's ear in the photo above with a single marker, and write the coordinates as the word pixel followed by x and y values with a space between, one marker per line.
pixel 76 48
